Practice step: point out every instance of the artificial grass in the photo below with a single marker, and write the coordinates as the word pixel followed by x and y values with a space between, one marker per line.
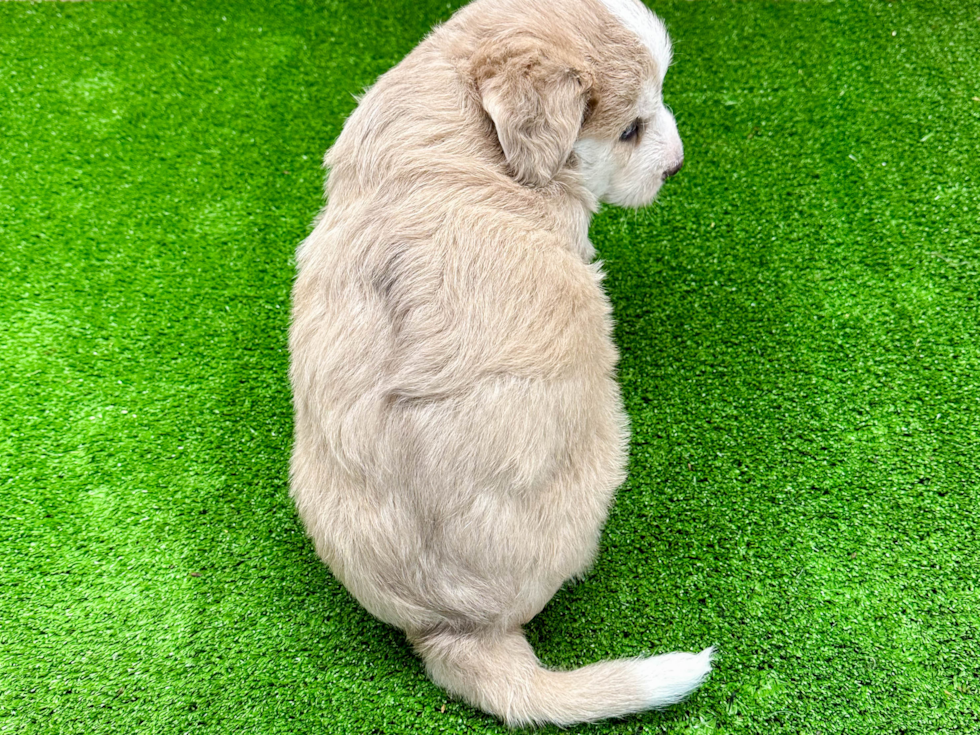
pixel 797 315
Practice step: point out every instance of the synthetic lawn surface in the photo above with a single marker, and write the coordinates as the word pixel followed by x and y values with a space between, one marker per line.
pixel 798 320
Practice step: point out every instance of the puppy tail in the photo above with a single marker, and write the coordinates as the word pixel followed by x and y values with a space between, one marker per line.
pixel 499 673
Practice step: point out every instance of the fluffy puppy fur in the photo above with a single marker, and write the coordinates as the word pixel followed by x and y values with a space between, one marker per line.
pixel 459 431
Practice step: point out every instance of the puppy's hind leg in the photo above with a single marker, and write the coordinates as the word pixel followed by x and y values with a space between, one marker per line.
pixel 498 672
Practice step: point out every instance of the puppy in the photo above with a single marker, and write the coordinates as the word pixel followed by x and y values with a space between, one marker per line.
pixel 459 431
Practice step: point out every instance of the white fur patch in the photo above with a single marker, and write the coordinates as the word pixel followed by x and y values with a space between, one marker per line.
pixel 650 29
pixel 598 165
pixel 671 677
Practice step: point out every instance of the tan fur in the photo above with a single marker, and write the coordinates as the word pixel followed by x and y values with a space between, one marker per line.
pixel 459 432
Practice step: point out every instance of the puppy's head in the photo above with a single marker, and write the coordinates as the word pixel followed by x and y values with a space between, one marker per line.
pixel 582 90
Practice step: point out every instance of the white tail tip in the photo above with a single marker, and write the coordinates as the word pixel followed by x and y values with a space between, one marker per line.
pixel 671 677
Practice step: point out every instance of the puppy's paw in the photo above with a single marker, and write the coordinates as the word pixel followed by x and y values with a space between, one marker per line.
pixel 669 678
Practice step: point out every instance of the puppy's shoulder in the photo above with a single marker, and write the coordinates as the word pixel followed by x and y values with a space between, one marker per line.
pixel 494 292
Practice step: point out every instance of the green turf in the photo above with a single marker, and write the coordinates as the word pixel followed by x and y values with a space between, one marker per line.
pixel 798 317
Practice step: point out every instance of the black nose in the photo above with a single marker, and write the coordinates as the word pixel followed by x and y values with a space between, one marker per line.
pixel 674 170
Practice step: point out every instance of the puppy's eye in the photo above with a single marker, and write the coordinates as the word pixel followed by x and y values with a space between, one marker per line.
pixel 632 131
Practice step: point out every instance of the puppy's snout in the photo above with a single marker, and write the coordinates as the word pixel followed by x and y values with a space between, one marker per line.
pixel 674 147
pixel 674 169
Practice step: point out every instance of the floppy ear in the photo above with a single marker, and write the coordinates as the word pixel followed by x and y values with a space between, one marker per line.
pixel 536 95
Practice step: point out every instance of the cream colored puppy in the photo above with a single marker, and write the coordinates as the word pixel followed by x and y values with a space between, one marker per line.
pixel 459 431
